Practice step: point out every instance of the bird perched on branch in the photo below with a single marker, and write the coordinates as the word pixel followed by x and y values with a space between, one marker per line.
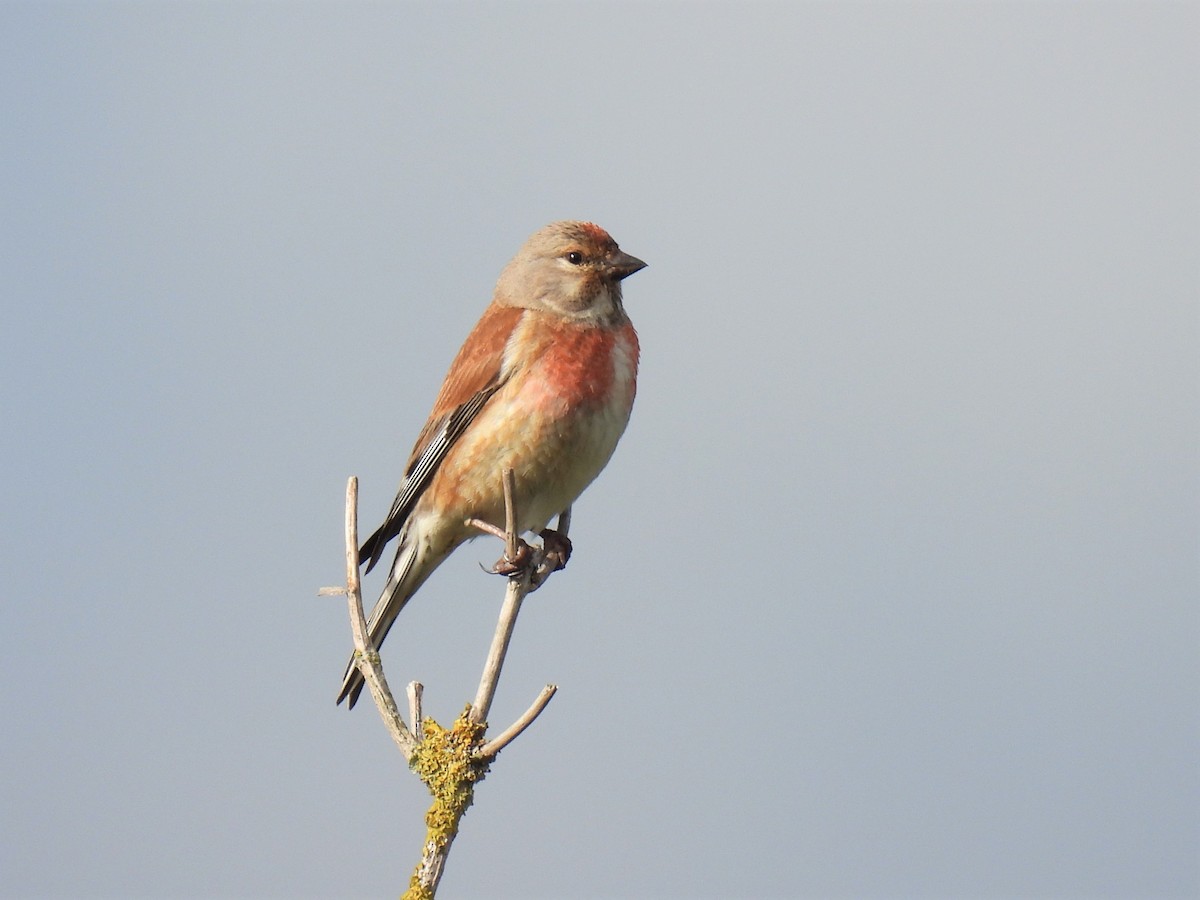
pixel 543 385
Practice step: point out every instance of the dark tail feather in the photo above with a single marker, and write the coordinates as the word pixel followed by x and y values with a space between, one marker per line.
pixel 352 685
pixel 370 552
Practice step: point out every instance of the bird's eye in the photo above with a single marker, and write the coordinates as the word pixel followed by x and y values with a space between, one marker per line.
pixel 575 258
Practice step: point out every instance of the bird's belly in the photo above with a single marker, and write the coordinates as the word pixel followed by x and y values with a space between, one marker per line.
pixel 554 428
pixel 554 451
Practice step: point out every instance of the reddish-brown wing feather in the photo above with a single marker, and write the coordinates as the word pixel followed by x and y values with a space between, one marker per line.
pixel 475 369
pixel 474 376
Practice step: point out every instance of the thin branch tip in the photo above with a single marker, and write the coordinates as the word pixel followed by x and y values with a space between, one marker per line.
pixel 513 731
pixel 486 528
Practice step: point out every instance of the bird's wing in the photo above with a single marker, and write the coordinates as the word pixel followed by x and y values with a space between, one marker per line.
pixel 475 375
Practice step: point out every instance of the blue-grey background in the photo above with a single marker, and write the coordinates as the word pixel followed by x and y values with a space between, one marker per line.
pixel 891 589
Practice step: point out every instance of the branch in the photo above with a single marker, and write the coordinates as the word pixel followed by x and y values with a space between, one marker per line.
pixel 366 657
pixel 450 760
pixel 415 692
pixel 453 795
pixel 506 737
pixel 519 585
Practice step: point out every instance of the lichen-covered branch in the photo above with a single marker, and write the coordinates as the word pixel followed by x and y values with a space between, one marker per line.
pixel 450 767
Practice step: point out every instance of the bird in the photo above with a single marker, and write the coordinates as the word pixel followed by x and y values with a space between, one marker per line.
pixel 544 384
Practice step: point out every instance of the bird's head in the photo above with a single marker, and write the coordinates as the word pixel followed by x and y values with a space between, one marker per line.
pixel 572 269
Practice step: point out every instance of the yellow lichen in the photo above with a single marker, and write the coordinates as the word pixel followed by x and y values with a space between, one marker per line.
pixel 447 763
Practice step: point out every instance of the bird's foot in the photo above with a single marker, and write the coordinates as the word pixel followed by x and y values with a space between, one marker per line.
pixel 556 549
pixel 554 553
pixel 515 565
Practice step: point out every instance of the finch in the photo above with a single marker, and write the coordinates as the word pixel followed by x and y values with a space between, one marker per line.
pixel 543 384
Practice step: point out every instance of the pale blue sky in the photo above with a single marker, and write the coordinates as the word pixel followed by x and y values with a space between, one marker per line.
pixel 892 588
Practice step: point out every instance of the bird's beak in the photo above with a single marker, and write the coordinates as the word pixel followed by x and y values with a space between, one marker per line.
pixel 623 265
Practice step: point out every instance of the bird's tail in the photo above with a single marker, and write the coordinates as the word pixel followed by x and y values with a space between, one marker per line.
pixel 408 572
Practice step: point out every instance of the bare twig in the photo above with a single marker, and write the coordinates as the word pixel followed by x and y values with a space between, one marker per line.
pixel 518 587
pixel 366 657
pixel 415 692
pixel 506 737
pixel 511 538
pixel 487 528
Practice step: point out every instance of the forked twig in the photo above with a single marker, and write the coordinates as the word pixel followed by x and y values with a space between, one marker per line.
pixel 434 852
pixel 450 761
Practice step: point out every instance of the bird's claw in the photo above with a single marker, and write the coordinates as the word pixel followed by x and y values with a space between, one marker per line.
pixel 556 551
pixel 510 566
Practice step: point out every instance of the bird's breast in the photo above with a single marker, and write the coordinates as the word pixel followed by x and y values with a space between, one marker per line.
pixel 557 419
pixel 569 368
pixel 564 409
